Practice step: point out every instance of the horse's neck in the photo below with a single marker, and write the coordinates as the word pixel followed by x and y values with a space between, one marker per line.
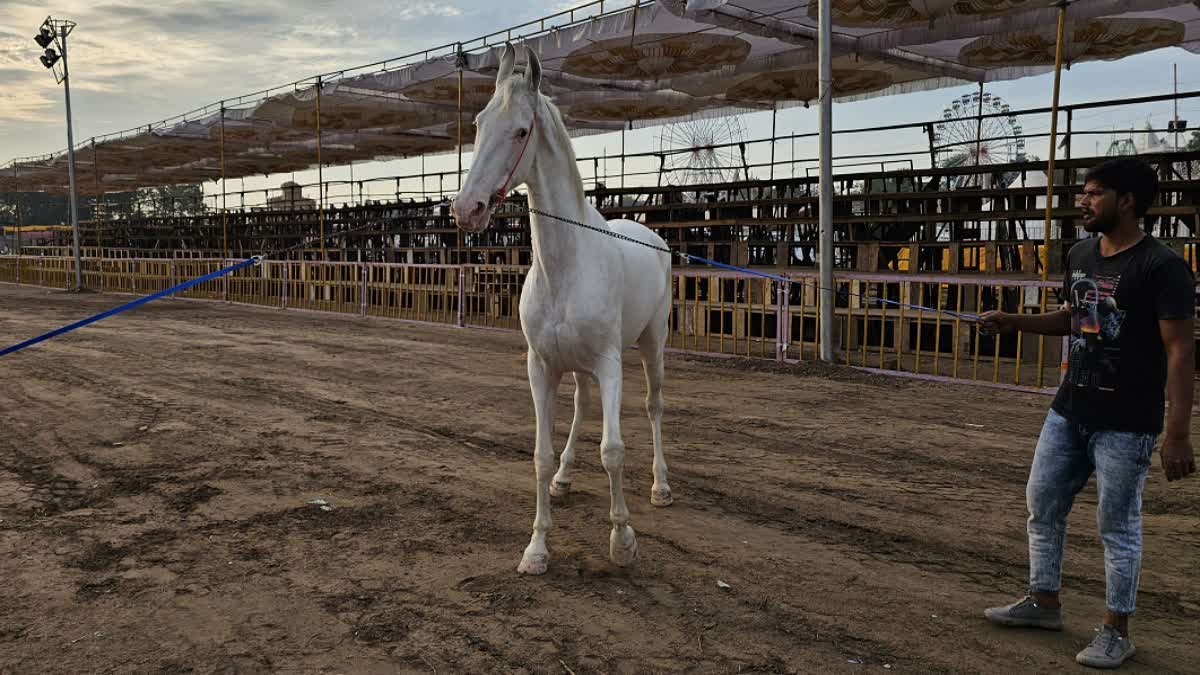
pixel 555 188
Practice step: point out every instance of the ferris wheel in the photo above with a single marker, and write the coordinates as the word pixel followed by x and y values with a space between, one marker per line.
pixel 699 151
pixel 977 130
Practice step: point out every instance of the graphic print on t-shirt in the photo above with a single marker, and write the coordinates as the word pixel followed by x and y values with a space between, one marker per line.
pixel 1095 331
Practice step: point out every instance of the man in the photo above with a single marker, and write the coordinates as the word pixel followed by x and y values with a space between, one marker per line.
pixel 1128 307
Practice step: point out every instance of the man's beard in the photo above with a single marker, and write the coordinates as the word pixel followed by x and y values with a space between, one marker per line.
pixel 1101 222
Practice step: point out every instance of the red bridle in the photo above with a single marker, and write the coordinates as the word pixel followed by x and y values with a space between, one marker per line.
pixel 499 196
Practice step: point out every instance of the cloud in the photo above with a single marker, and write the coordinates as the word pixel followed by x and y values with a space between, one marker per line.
pixel 30 107
pixel 421 10
pixel 135 62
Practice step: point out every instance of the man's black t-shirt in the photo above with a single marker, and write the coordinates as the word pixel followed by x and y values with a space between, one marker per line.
pixel 1117 370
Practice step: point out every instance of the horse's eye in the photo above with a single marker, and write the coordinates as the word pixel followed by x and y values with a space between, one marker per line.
pixel 522 133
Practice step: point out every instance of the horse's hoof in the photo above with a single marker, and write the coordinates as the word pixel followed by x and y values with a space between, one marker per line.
pixel 661 497
pixel 535 564
pixel 559 489
pixel 622 547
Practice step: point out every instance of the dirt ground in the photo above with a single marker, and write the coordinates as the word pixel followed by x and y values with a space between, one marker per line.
pixel 156 470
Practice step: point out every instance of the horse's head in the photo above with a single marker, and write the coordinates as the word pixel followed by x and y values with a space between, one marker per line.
pixel 504 142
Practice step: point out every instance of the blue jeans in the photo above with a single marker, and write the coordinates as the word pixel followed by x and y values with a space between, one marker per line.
pixel 1066 456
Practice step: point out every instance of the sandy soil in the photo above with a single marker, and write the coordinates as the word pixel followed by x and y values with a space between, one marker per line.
pixel 156 468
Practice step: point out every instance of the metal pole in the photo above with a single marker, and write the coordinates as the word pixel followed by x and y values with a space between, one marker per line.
pixel 320 174
pixel 773 113
pixel 623 155
pixel 71 169
pixel 20 219
pixel 224 191
pixel 1067 148
pixel 1176 101
pixel 825 203
pixel 979 134
pixel 1058 59
pixel 932 145
pixel 458 231
pixel 97 212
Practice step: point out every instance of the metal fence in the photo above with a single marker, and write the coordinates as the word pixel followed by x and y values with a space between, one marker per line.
pixel 903 324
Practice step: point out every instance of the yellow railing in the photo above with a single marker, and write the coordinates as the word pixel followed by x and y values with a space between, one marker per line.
pixel 411 292
pixel 10 266
pixel 923 326
pixel 725 313
pixel 323 286
pixel 492 295
pixel 923 329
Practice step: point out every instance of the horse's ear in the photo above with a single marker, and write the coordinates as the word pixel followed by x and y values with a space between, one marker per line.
pixel 533 69
pixel 507 60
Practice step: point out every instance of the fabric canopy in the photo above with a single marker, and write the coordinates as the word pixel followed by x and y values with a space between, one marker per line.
pixel 658 63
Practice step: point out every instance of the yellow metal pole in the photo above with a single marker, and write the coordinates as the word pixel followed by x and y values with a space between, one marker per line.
pixel 937 332
pixel 762 318
pixel 920 324
pixel 957 330
pixel 849 315
pixel 708 323
pixel 882 321
pixel 721 314
pixel 1058 59
pixel 978 306
pixel 1017 371
pixel 865 288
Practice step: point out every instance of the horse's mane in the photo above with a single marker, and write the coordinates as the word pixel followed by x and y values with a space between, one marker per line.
pixel 559 129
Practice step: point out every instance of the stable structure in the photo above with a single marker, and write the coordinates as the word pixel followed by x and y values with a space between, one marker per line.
pixel 642 64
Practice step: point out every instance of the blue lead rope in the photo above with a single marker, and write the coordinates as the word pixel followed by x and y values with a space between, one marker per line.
pixel 130 305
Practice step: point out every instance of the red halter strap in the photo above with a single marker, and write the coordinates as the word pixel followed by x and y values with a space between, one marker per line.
pixel 499 196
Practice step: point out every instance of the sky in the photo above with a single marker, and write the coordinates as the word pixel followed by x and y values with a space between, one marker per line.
pixel 136 62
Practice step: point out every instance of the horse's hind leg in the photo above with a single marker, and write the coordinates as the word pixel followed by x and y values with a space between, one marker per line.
pixel 561 485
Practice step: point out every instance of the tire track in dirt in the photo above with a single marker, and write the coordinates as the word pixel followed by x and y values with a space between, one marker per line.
pixel 988 568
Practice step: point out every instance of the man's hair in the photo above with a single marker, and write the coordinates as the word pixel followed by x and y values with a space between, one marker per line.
pixel 1128 175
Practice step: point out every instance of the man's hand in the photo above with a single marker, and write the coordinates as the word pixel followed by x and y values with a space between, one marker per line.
pixel 996 322
pixel 1178 461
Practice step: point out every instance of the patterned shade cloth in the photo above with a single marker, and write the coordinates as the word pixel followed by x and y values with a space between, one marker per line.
pixel 666 61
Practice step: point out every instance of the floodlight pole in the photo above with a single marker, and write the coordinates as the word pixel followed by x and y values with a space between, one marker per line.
pixel 61 30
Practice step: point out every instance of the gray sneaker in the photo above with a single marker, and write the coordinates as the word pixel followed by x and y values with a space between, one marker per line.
pixel 1107 650
pixel 1026 613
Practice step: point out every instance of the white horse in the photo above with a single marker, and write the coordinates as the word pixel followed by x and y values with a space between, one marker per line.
pixel 587 297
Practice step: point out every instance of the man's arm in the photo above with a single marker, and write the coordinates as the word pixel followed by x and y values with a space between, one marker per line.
pixel 1057 322
pixel 1178 460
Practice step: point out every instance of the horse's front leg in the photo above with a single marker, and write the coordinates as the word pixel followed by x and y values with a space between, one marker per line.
pixel 543 383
